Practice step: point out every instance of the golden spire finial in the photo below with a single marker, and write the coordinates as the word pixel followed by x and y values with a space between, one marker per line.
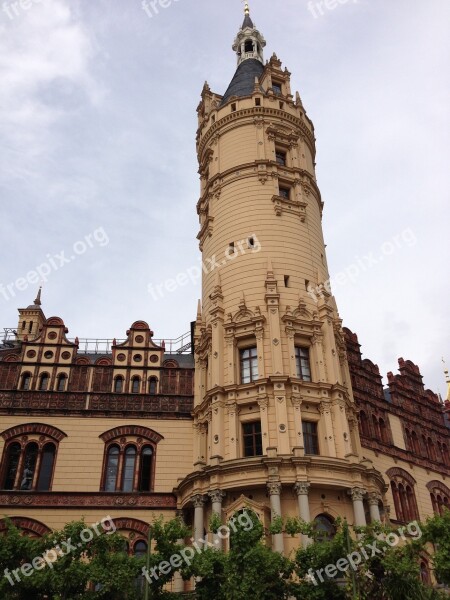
pixel 247 9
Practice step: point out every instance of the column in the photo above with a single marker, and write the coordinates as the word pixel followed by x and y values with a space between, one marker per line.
pixel 178 582
pixel 330 446
pixel 374 499
pixel 216 498
pixel 274 489
pixel 199 516
pixel 357 495
pixel 301 488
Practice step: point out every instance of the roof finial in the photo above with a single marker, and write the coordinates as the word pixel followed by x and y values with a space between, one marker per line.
pixel 447 379
pixel 37 301
pixel 247 9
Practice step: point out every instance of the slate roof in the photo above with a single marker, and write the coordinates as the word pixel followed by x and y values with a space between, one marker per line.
pixel 243 81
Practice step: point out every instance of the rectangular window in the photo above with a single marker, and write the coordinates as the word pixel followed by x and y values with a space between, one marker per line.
pixel 251 434
pixel 276 86
pixel 257 101
pixel 302 363
pixel 281 157
pixel 284 192
pixel 310 439
pixel 248 359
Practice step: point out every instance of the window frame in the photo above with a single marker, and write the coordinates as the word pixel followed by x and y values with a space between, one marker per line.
pixel 299 359
pixel 311 438
pixel 124 445
pixel 254 435
pixel 250 361
pixel 25 446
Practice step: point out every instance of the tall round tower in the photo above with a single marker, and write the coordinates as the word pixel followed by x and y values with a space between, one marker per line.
pixel 275 423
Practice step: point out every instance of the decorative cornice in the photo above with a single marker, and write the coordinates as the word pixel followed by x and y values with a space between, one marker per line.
pixel 102 500
pixel 34 428
pixel 134 430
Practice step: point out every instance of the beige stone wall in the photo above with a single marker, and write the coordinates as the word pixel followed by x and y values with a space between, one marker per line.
pixel 80 455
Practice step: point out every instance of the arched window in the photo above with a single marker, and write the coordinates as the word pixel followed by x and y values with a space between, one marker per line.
pixel 46 469
pixel 118 384
pixel 61 383
pixel 43 382
pixel 364 424
pixel 402 487
pixel 29 466
pixel 12 464
pixel 431 449
pixel 145 475
pixel 152 386
pixel 425 572
pixel 29 457
pixel 445 454
pixel 25 382
pixel 440 496
pixel 415 442
pixel 112 469
pixel 140 548
pixel 376 428
pixel 129 465
pixel 129 462
pixel 324 526
pixel 383 431
pixel 135 385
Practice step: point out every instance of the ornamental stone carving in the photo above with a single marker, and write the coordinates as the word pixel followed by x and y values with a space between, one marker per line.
pixel 274 488
pixel 198 501
pixel 216 496
pixel 357 494
pixel 301 488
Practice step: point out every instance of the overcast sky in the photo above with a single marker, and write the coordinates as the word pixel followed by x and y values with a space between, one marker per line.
pixel 97 159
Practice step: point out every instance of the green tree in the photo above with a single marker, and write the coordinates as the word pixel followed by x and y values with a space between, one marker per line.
pixel 437 533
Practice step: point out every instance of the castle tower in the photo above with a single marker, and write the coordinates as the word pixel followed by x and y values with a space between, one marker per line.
pixel 275 420
pixel 31 320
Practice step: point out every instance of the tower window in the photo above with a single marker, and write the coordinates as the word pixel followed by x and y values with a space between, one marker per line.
pixel 302 363
pixel 249 47
pixel 152 386
pixel 310 438
pixel 257 101
pixel 231 248
pixel 251 242
pixel 30 327
pixel 284 192
pixel 276 86
pixel 286 281
pixel 252 438
pixel 248 360
pixel 280 157
pixel 281 105
pixel 233 107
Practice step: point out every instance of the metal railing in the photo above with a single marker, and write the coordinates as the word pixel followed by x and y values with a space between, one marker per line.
pixel 179 345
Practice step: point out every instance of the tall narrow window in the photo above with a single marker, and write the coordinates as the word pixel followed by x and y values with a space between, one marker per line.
pixel 145 476
pixel 43 382
pixel 12 463
pixel 46 470
pixel 118 384
pixel 303 363
pixel 152 386
pixel 251 433
pixel 310 438
pixel 280 157
pixel 29 466
pixel 61 383
pixel 135 385
pixel 364 424
pixel 25 382
pixel 112 467
pixel 284 192
pixel 128 469
pixel 249 365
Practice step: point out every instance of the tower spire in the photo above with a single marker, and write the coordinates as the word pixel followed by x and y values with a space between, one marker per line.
pixel 37 300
